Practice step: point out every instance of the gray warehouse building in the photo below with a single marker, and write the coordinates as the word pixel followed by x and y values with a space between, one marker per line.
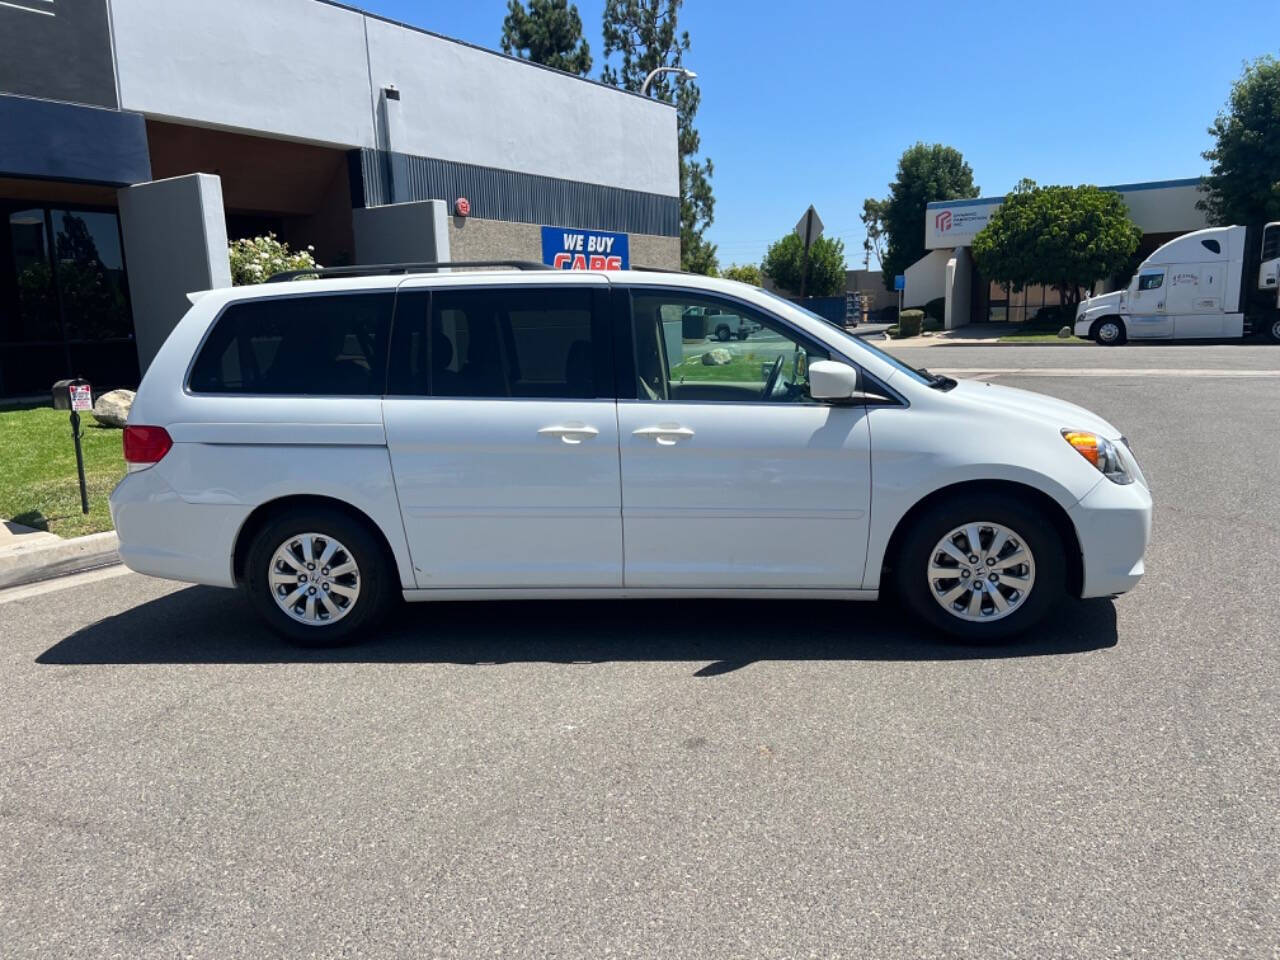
pixel 138 136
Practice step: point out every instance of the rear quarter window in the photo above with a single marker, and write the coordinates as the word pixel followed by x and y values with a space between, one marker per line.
pixel 309 345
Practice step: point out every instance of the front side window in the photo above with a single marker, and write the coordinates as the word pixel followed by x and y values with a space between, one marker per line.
pixel 1150 281
pixel 511 342
pixel 319 345
pixel 694 348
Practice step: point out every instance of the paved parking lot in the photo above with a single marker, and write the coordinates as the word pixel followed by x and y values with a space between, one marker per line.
pixel 702 779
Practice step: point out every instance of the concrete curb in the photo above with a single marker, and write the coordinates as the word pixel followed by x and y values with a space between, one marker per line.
pixel 42 561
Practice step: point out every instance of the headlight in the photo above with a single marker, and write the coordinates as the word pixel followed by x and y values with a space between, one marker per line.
pixel 1101 452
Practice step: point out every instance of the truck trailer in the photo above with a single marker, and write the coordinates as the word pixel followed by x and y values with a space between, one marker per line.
pixel 1216 283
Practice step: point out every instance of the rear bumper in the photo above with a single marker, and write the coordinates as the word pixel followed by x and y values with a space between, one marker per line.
pixel 1113 523
pixel 164 536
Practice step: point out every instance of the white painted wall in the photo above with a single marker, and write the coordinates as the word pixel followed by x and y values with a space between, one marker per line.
pixel 926 279
pixel 292 68
pixel 464 104
pixel 311 71
pixel 957 283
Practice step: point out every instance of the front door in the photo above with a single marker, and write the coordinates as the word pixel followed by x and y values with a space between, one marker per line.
pixel 502 430
pixel 1147 316
pixel 732 476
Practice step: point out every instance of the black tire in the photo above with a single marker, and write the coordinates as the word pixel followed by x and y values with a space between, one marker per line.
pixel 742 334
pixel 1096 332
pixel 375 576
pixel 1272 331
pixel 914 556
pixel 722 334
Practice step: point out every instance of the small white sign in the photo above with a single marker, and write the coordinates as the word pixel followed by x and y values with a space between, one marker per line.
pixel 81 397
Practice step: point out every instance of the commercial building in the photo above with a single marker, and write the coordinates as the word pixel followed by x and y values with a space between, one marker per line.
pixel 137 136
pixel 1164 209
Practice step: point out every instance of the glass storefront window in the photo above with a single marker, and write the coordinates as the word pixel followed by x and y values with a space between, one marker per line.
pixel 64 300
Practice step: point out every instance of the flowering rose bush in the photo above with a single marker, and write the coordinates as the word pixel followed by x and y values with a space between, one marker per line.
pixel 255 259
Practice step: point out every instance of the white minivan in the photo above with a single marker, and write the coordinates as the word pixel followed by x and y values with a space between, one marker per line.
pixel 330 445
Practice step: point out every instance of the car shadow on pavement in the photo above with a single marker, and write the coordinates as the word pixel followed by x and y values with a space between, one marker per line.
pixel 208 625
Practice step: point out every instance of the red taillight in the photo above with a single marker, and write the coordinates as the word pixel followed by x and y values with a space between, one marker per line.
pixel 146 444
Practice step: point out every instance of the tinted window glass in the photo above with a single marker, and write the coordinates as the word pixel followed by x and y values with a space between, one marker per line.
pixel 499 343
pixel 306 346
pixel 1150 281
pixel 1213 246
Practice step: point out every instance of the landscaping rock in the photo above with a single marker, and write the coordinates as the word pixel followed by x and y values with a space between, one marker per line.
pixel 112 408
pixel 1066 333
pixel 717 357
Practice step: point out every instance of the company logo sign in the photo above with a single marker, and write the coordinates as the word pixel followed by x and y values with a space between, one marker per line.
pixel 567 249
pixel 943 221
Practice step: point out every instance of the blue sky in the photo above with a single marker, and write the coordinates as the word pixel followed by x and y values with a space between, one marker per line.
pixel 815 105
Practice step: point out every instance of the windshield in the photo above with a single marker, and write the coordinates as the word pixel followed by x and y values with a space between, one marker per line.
pixel 859 343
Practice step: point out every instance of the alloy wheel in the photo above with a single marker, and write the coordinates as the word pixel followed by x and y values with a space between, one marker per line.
pixel 981 571
pixel 314 579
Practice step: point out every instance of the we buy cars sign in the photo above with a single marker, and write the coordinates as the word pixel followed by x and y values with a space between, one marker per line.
pixel 567 249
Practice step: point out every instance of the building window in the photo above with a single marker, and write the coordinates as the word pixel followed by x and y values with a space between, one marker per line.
pixel 64 300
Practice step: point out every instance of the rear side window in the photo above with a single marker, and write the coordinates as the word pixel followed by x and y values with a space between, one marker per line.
pixel 515 342
pixel 321 345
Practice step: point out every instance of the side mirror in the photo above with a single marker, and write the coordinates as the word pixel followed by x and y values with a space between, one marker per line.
pixel 832 380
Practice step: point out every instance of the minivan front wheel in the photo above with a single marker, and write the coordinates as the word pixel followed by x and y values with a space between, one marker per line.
pixel 982 568
pixel 317 577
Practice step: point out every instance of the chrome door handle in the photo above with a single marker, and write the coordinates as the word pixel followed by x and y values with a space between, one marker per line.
pixel 666 436
pixel 569 432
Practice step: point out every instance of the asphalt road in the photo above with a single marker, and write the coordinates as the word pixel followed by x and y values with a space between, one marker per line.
pixel 695 779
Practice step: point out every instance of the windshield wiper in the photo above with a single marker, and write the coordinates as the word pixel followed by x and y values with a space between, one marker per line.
pixel 936 380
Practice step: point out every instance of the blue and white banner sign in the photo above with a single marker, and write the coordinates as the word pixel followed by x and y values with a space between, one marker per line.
pixel 567 249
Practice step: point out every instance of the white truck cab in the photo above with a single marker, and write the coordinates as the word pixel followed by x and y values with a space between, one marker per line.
pixel 1199 286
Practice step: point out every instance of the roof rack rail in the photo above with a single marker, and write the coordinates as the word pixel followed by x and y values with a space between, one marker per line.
pixel 373 269
pixel 640 269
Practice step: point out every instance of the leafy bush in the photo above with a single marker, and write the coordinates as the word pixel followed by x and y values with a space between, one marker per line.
pixel 255 259
pixel 936 309
pixel 931 324
pixel 1054 316
pixel 910 322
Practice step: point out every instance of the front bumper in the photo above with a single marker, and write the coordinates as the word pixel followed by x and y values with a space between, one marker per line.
pixel 1113 523
pixel 1082 325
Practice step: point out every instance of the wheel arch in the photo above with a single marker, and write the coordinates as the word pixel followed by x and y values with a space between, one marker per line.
pixel 265 512
pixel 1038 499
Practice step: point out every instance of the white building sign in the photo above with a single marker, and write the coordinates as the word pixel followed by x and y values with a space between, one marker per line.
pixel 956 224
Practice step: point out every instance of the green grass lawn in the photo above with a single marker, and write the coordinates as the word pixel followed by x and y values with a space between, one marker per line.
pixel 38 484
pixel 741 369
pixel 1037 335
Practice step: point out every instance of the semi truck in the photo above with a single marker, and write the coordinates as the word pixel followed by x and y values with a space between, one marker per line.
pixel 1216 283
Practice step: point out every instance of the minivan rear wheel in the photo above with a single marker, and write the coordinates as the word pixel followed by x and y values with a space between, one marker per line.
pixel 318 577
pixel 981 568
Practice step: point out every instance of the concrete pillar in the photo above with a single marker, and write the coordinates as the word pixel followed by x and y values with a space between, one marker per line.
pixel 416 232
pixel 175 241
pixel 958 288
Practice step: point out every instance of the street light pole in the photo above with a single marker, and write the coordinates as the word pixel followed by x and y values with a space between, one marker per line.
pixel 687 74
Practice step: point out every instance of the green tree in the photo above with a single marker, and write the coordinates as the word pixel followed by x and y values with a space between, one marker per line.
pixel 784 263
pixel 549 32
pixel 873 223
pixel 926 172
pixel 1061 237
pixel 644 34
pixel 1243 185
pixel 745 273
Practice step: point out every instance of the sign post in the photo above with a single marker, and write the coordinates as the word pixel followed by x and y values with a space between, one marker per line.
pixel 900 284
pixel 81 400
pixel 809 229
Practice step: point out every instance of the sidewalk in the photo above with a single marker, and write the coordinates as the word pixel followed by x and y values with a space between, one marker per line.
pixel 983 335
pixel 28 555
